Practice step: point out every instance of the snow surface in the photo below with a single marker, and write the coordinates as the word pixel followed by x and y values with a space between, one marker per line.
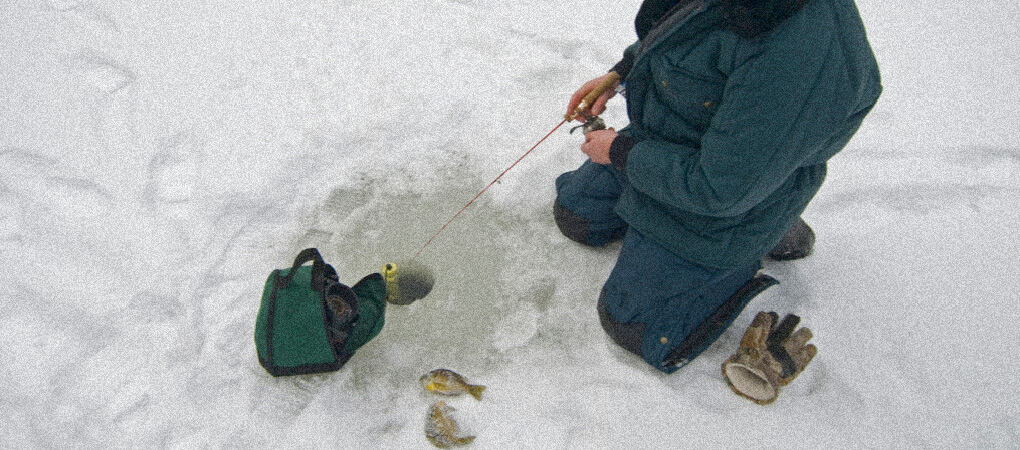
pixel 159 158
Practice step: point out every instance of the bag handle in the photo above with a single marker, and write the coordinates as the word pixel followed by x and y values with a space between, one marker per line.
pixel 318 268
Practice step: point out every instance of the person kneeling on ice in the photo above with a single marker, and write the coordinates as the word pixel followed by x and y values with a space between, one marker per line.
pixel 735 106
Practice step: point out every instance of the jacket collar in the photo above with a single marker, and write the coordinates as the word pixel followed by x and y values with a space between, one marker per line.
pixel 753 18
pixel 747 18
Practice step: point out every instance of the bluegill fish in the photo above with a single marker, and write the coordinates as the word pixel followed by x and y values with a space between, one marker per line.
pixel 448 382
pixel 441 429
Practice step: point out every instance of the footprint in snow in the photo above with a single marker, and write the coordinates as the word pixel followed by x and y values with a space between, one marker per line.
pixel 11 216
pixel 155 307
pixel 76 199
pixel 102 72
pixel 173 170
pixel 35 179
pixel 517 328
pixel 65 5
pixel 86 11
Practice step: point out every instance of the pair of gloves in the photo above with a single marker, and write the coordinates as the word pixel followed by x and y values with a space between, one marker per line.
pixel 771 355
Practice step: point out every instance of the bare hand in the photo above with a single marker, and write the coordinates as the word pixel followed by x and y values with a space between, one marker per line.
pixel 597 143
pixel 600 104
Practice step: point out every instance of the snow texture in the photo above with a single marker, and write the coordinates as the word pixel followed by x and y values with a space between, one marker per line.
pixel 159 158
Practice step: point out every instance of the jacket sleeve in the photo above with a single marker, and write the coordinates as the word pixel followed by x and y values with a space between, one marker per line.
pixel 781 107
pixel 626 63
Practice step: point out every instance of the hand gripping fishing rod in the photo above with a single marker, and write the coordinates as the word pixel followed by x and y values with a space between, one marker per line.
pixel 591 122
pixel 586 103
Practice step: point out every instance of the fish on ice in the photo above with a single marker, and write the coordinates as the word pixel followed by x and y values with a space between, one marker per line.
pixel 441 429
pixel 448 382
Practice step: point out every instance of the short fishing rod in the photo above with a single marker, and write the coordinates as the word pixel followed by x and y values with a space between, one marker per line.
pixel 591 122
pixel 415 280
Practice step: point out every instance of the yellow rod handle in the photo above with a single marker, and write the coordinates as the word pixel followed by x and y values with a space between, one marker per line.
pixel 611 79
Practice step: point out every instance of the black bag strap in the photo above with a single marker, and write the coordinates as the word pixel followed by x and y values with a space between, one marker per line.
pixel 319 268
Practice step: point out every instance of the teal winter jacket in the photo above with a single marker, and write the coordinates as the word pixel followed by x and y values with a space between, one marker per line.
pixel 730 133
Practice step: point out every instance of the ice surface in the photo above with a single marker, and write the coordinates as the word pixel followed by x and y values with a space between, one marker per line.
pixel 158 159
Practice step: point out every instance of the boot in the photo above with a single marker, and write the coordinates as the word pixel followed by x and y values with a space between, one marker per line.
pixel 796 244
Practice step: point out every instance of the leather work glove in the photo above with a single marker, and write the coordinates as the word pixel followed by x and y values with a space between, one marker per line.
pixel 770 355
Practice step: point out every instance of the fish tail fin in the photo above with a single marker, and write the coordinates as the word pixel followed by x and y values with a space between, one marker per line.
pixel 465 440
pixel 476 391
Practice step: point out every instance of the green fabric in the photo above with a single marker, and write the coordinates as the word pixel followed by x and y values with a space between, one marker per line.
pixel 732 134
pixel 371 292
pixel 290 331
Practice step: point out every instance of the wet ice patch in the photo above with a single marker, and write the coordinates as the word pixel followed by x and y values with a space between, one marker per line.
pixel 366 223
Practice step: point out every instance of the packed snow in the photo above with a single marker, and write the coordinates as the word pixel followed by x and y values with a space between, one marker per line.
pixel 159 158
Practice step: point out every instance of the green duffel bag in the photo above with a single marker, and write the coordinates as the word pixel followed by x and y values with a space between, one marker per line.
pixel 309 322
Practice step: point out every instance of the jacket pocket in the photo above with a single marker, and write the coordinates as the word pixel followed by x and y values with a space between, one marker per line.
pixel 691 98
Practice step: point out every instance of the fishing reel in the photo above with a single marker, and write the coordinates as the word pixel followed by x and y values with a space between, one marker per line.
pixel 591 123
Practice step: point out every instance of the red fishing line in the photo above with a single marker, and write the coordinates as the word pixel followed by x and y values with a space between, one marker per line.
pixel 487 188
